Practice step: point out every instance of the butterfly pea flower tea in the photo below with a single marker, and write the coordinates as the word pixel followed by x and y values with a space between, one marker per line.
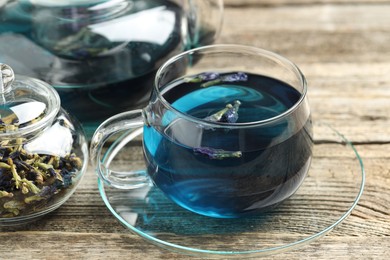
pixel 224 142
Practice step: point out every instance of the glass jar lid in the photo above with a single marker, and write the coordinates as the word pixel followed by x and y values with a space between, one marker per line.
pixel 27 105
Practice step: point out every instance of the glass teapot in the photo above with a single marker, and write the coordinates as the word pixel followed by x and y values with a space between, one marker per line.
pixel 101 55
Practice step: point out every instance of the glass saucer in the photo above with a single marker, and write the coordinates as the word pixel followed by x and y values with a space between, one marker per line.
pixel 328 195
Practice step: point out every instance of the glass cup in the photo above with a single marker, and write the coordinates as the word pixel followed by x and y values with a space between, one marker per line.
pixel 227 132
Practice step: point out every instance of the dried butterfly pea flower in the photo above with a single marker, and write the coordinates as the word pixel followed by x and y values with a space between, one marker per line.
pixel 206 76
pixel 216 117
pixel 239 76
pixel 28 181
pixel 235 77
pixel 213 78
pixel 218 154
pixel 5 194
pixel 229 114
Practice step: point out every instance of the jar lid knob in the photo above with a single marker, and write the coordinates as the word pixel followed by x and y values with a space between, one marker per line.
pixel 7 76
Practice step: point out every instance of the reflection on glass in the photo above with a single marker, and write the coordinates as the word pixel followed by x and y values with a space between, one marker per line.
pixel 101 55
pixel 56 140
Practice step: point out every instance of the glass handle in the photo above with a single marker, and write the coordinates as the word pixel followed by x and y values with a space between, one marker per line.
pixel 131 124
pixel 205 19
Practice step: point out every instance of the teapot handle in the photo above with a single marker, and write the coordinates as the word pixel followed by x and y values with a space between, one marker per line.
pixel 205 18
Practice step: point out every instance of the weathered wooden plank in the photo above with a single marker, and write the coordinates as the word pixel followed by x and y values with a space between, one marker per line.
pixel 245 3
pixel 119 246
pixel 314 33
pixel 325 17
pixel 344 59
pixel 362 88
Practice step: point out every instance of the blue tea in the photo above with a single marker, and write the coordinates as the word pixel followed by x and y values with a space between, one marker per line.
pixel 227 171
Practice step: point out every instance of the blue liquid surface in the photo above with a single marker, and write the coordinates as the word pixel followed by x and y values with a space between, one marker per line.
pixel 267 172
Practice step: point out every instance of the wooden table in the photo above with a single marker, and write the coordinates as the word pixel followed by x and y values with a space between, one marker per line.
pixel 343 48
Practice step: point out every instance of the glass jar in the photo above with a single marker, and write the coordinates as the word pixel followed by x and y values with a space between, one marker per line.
pixel 102 55
pixel 43 149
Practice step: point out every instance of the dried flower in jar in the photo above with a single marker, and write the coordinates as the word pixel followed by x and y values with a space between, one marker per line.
pixel 28 181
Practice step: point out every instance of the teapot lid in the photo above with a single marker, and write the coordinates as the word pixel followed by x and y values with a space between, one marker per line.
pixel 27 105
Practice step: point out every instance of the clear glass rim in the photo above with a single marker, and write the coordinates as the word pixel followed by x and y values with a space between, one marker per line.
pixel 64 3
pixel 233 48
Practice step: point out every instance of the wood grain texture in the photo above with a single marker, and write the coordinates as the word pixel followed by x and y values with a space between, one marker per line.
pixel 342 47
pixel 244 3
